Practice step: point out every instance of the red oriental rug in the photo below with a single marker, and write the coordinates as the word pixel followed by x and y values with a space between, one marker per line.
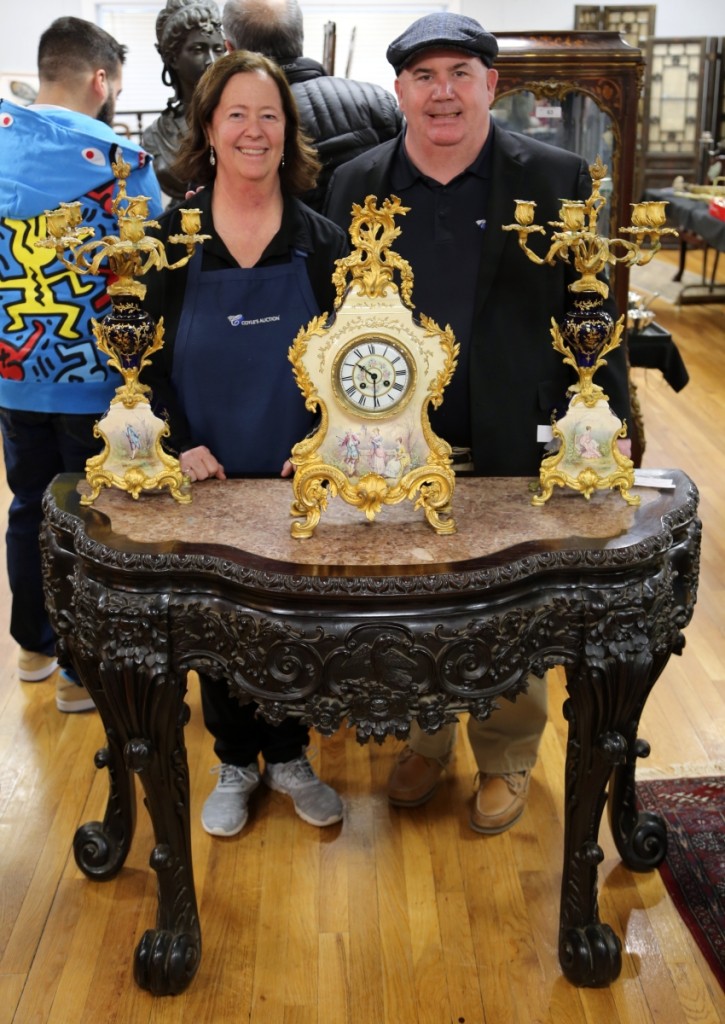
pixel 694 869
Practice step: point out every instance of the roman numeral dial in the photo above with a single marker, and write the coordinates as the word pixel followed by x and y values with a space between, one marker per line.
pixel 374 375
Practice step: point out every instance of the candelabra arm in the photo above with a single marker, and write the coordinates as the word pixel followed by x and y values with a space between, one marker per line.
pixel 523 232
pixel 190 241
pixel 534 257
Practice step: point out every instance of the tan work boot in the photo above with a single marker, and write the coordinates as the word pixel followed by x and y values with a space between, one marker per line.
pixel 72 696
pixel 499 802
pixel 414 778
pixel 34 667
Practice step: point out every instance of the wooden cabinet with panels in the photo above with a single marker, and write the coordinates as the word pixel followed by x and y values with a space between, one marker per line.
pixel 683 109
pixel 635 24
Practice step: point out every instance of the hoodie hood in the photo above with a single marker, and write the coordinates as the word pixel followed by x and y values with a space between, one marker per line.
pixel 50 155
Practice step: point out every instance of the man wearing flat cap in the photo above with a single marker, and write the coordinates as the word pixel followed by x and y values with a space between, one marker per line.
pixel 460 173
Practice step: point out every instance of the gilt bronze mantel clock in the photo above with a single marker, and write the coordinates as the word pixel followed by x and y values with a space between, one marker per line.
pixel 372 371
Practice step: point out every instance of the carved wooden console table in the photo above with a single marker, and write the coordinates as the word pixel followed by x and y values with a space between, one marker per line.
pixel 376 623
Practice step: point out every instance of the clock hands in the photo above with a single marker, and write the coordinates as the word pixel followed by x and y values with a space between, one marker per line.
pixel 373 377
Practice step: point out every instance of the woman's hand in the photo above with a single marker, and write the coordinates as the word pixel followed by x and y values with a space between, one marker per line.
pixel 200 464
pixel 287 468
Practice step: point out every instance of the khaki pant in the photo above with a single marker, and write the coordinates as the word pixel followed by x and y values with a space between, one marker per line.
pixel 508 741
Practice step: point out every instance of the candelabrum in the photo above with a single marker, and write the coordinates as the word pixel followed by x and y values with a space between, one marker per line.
pixel 588 457
pixel 132 459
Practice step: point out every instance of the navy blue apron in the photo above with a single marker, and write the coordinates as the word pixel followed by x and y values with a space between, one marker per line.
pixel 230 366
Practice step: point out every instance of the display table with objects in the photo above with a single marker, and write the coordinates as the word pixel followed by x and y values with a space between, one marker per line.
pixel 697 227
pixel 653 348
pixel 374 624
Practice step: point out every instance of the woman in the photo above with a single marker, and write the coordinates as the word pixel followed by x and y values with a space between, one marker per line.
pixel 189 39
pixel 223 377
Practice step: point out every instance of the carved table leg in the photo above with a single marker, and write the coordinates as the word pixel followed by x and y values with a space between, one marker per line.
pixel 607 694
pixel 640 836
pixel 101 847
pixel 168 956
pixel 605 699
pixel 589 951
pixel 144 714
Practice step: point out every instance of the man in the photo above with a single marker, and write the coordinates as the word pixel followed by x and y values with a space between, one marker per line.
pixel 460 174
pixel 54 384
pixel 343 118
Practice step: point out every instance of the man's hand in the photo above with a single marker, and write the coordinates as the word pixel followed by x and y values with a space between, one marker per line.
pixel 200 464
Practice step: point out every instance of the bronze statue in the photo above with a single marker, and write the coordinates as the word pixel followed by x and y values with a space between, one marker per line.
pixel 189 39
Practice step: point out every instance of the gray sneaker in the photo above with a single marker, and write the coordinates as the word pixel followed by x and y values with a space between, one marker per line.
pixel 226 809
pixel 315 802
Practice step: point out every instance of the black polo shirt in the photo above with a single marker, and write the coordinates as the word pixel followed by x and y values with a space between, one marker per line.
pixel 441 238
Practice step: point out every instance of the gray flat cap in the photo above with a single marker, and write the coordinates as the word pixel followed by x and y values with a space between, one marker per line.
pixel 444 31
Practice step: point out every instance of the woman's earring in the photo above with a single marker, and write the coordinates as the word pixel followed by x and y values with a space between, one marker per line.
pixel 282 164
pixel 212 156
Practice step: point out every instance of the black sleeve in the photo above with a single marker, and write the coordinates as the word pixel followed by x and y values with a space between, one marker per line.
pixel 330 244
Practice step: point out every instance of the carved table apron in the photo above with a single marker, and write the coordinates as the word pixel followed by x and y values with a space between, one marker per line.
pixel 378 623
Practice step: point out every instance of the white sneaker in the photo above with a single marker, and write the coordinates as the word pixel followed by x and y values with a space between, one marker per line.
pixel 226 809
pixel 315 802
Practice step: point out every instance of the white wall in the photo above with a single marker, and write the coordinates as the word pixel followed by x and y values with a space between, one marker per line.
pixel 22 24
pixel 674 18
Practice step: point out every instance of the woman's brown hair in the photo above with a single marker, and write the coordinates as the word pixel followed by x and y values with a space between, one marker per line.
pixel 300 165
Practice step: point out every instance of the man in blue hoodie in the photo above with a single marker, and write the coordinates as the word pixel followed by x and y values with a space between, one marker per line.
pixel 54 383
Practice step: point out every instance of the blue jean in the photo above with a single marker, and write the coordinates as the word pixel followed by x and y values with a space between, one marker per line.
pixel 37 446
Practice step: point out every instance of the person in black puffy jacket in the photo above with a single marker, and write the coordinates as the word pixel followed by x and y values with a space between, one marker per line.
pixel 342 117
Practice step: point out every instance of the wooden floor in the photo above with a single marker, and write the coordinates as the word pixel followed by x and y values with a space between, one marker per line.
pixel 394 917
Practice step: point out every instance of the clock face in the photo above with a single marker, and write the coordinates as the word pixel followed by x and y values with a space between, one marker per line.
pixel 374 375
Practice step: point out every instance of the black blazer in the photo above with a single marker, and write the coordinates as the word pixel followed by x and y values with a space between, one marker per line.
pixel 516 378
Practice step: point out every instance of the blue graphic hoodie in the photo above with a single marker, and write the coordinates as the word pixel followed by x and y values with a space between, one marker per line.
pixel 48 357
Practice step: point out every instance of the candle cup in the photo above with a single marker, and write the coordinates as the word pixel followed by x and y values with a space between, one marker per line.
pixel 138 206
pixel 73 213
pixel 57 222
pixel 131 229
pixel 573 214
pixel 190 221
pixel 524 212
